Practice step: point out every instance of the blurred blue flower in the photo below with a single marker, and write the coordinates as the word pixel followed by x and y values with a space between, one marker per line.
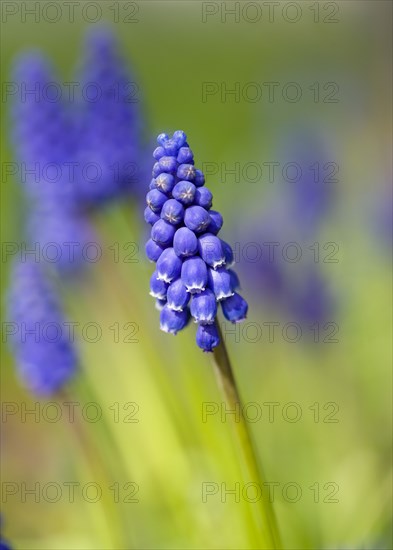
pixel 311 176
pixel 41 342
pixel 108 120
pixel 45 149
pixel 310 301
pixel 42 132
pixel 72 156
pixel 295 213
pixel 190 258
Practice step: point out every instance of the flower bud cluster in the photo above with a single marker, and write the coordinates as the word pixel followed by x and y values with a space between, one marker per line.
pixel 192 262
pixel 75 153
pixel 44 364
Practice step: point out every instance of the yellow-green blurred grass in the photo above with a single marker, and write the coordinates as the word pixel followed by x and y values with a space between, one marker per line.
pixel 170 452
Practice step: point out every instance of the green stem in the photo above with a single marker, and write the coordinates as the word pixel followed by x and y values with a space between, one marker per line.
pixel 266 520
pixel 98 469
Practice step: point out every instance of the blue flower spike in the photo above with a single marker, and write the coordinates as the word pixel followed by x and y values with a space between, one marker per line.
pixel 85 151
pixel 192 261
pixel 109 126
pixel 43 348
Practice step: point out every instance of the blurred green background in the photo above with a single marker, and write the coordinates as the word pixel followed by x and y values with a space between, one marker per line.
pixel 171 452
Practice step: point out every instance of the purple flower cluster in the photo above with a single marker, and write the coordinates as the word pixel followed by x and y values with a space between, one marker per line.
pixel 45 356
pixel 41 130
pixel 108 120
pixel 42 139
pixel 76 149
pixel 295 215
pixel 192 263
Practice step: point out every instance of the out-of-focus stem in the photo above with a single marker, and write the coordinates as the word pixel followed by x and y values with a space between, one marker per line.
pixel 95 464
pixel 266 520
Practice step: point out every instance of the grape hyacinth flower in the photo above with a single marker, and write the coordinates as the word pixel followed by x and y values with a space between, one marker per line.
pixel 42 131
pixel 313 190
pixel 109 123
pixel 293 219
pixel 192 275
pixel 44 353
pixel 75 155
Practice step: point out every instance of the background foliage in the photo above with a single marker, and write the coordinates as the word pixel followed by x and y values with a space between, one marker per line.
pixel 170 452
